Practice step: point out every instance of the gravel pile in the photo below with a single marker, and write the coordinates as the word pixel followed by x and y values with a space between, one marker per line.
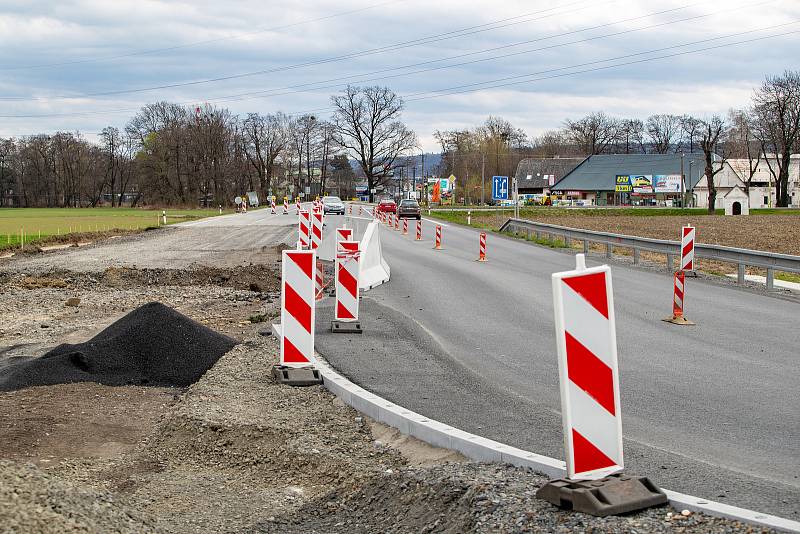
pixel 153 345
pixel 32 501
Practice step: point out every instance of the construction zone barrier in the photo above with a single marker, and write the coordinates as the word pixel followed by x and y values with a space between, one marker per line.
pixel 678 293
pixel 285 205
pixel 586 341
pixel 298 203
pixel 396 223
pixel 319 281
pixel 374 269
pixel 272 206
pixel 482 247
pixel 347 274
pixel 316 229
pixel 405 226
pixel 419 231
pixel 687 248
pixel 296 330
pixel 303 229
pixel 438 243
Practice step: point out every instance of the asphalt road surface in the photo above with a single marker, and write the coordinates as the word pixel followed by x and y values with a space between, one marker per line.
pixel 711 410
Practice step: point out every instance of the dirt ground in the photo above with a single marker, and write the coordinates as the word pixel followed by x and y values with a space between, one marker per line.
pixel 772 233
pixel 234 452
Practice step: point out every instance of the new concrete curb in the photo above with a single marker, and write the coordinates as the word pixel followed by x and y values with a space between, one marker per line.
pixel 486 450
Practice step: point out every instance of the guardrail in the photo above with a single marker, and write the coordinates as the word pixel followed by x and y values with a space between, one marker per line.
pixel 671 249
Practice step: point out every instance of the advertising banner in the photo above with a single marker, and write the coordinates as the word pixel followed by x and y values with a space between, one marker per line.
pixel 642 184
pixel 624 184
pixel 667 183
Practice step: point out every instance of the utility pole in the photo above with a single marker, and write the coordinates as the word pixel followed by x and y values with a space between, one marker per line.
pixel 483 179
pixel 683 184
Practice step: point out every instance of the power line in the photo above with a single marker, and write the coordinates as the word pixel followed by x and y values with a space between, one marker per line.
pixel 472 30
pixel 199 43
pixel 466 88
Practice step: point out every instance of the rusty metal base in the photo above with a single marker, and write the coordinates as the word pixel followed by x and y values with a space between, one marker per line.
pixel 679 320
pixel 346 327
pixel 613 495
pixel 296 376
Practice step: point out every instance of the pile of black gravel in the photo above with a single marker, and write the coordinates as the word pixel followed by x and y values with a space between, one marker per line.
pixel 153 345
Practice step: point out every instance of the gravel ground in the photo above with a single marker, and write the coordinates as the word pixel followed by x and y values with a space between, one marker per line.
pixel 236 452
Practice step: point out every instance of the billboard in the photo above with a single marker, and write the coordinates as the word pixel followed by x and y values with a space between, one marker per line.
pixel 667 183
pixel 647 184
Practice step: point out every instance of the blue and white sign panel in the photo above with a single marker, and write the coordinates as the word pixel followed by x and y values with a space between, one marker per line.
pixel 500 187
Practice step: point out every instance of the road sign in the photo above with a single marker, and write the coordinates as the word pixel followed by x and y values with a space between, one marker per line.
pixel 500 187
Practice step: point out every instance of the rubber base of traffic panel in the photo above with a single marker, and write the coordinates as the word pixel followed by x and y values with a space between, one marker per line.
pixel 679 320
pixel 612 495
pixel 343 327
pixel 296 376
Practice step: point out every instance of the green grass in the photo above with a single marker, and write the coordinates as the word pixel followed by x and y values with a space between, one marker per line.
pixel 788 277
pixel 41 223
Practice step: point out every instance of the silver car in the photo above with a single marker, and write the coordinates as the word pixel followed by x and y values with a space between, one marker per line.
pixel 332 205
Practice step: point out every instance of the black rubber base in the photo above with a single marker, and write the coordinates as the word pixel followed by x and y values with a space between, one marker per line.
pixel 613 495
pixel 296 376
pixel 342 327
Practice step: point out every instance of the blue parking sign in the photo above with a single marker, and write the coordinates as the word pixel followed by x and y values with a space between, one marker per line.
pixel 500 187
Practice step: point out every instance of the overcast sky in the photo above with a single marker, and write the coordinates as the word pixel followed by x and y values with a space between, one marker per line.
pixel 57 58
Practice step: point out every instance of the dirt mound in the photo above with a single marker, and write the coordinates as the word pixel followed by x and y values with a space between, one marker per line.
pixel 153 345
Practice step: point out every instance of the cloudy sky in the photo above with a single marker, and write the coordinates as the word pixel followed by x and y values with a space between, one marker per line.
pixel 86 64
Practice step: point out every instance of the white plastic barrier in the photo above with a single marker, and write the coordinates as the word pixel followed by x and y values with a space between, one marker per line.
pixel 374 269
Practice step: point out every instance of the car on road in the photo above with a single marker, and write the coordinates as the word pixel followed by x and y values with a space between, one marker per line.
pixel 409 209
pixel 333 205
pixel 387 205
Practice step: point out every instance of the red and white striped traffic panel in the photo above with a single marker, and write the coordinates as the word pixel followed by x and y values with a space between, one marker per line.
pixel 297 308
pixel 303 229
pixel 316 229
pixel 347 269
pixel 587 361
pixel 319 281
pixel 419 231
pixel 405 226
pixel 482 247
pixel 687 248
pixel 272 205
pixel 285 206
pixel 344 234
pixel 298 204
pixel 438 244
pixel 678 294
pixel 396 222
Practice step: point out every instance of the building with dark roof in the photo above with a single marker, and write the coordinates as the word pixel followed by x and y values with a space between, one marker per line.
pixel 537 175
pixel 640 179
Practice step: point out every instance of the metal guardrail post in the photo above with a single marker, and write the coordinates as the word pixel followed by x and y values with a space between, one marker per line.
pixel 609 250
pixel 669 262
pixel 740 273
pixel 586 246
pixel 770 279
pixel 567 241
pixel 635 256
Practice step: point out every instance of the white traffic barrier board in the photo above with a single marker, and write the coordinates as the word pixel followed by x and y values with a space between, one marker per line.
pixel 347 271
pixel 297 308
pixel 316 229
pixel 587 362
pixel 687 248
pixel 303 229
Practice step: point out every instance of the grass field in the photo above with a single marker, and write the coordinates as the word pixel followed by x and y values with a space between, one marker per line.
pixel 42 223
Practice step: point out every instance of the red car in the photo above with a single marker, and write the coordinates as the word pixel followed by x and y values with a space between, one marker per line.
pixel 387 206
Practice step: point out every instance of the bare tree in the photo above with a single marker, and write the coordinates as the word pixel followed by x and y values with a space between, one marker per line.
pixel 631 135
pixel 593 134
pixel 663 131
pixel 366 122
pixel 711 135
pixel 776 117
pixel 742 144
pixel 691 128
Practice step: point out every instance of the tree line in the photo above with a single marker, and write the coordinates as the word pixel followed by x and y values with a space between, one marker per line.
pixel 169 154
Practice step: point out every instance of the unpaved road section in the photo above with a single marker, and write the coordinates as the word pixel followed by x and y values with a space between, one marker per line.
pixel 234 452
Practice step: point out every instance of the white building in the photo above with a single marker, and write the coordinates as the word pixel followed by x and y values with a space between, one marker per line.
pixel 762 187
